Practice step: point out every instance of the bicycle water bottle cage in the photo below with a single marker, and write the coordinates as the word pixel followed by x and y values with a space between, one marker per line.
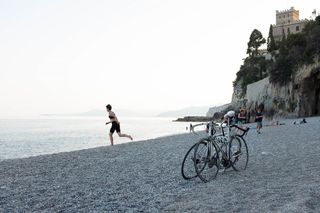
pixel 222 140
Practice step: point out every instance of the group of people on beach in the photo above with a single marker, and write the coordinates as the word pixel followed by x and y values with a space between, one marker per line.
pixel 242 117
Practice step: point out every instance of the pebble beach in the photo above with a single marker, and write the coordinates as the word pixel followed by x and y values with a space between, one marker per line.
pixel 283 175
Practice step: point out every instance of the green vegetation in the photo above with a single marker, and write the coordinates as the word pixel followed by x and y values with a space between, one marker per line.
pixel 254 67
pixel 285 56
pixel 296 50
pixel 256 40
pixel 270 41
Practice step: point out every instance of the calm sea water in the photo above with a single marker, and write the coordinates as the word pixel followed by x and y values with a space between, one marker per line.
pixel 30 137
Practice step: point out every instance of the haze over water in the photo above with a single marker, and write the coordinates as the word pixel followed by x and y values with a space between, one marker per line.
pixel 46 135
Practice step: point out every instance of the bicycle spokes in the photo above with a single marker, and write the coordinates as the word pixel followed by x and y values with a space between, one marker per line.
pixel 239 154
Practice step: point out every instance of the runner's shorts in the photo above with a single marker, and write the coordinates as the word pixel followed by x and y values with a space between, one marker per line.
pixel 115 127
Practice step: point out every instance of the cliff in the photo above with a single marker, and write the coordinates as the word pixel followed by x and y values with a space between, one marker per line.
pixel 298 98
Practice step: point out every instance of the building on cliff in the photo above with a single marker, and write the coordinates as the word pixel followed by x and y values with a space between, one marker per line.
pixel 287 21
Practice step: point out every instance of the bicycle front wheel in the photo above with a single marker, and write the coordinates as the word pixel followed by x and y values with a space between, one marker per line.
pixel 207 164
pixel 187 169
pixel 238 152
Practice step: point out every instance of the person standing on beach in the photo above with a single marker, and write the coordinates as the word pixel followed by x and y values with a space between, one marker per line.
pixel 115 125
pixel 241 118
pixel 259 117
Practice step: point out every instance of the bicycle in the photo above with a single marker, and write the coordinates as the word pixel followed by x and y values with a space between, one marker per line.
pixel 221 151
pixel 187 168
pixel 194 163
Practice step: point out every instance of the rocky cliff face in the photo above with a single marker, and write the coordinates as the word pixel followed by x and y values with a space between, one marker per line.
pixel 299 98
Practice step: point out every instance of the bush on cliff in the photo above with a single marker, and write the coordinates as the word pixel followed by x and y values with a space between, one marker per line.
pixel 298 49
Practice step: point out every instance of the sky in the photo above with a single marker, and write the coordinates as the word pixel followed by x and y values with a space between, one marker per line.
pixel 152 56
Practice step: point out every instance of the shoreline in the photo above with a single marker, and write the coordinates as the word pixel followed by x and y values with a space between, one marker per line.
pixel 98 147
pixel 24 138
pixel 145 176
pixel 266 123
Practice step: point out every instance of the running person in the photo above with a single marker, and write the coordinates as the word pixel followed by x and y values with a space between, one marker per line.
pixel 115 125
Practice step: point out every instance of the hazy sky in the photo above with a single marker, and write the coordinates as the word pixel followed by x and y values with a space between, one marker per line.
pixel 155 55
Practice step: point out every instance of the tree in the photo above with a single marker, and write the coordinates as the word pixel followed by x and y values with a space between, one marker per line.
pixel 282 70
pixel 271 43
pixel 318 20
pixel 256 40
pixel 312 46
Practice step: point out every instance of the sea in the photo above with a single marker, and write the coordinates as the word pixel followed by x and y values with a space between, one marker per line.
pixel 20 138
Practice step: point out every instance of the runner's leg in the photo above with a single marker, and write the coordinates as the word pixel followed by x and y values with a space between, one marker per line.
pixel 111 138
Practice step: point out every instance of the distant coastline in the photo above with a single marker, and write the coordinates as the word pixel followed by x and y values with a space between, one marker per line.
pixel 194 119
pixel 193 111
pixel 100 113
pixel 187 111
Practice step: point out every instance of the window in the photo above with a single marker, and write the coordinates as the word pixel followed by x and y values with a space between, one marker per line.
pixel 297 28
pixel 288 30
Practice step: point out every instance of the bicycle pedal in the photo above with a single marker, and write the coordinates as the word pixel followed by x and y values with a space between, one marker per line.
pixel 226 164
pixel 236 154
pixel 212 162
pixel 222 169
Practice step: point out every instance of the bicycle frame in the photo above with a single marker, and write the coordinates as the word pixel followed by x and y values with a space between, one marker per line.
pixel 223 139
pixel 220 140
pixel 219 150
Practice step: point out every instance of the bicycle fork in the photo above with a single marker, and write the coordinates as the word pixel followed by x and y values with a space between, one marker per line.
pixel 225 160
pixel 213 158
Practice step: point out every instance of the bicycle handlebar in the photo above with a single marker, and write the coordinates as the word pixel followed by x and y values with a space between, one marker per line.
pixel 193 126
pixel 244 131
pixel 209 125
pixel 213 130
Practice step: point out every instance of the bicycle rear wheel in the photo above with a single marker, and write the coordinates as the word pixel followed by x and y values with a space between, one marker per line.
pixel 238 152
pixel 187 169
pixel 207 165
